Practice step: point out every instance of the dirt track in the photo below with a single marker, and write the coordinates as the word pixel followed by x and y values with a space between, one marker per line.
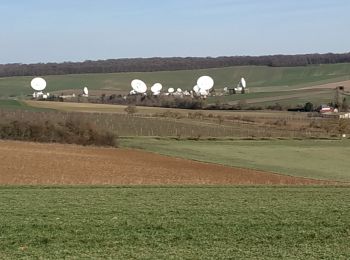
pixel 52 164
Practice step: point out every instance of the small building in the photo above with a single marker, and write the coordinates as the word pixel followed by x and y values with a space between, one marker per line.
pixel 326 109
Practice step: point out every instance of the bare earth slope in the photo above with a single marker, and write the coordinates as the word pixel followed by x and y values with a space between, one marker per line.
pixel 56 164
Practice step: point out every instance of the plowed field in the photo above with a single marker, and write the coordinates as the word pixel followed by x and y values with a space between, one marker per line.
pixel 56 164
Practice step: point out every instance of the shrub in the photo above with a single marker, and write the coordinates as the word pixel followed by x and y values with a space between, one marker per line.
pixel 308 107
pixel 276 106
pixel 131 110
pixel 68 132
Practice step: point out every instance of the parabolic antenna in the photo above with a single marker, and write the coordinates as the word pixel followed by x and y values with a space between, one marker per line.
pixel 86 91
pixel 171 90
pixel 203 92
pixel 156 88
pixel 205 82
pixel 243 83
pixel 38 84
pixel 179 90
pixel 139 86
pixel 196 89
pixel 239 88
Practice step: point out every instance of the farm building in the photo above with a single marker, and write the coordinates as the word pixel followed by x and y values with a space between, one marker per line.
pixel 325 109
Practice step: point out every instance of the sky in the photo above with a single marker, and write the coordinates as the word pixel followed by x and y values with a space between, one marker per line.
pixel 76 30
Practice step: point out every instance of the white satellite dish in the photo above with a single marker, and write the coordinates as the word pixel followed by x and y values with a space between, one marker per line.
pixel 38 84
pixel 156 88
pixel 243 83
pixel 205 82
pixel 203 92
pixel 196 89
pixel 45 96
pixel 186 93
pixel 139 86
pixel 86 91
pixel 179 90
pixel 171 90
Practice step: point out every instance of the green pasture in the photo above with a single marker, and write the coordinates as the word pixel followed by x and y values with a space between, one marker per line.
pixel 174 223
pixel 317 159
pixel 10 104
pixel 315 97
pixel 259 78
pixel 285 98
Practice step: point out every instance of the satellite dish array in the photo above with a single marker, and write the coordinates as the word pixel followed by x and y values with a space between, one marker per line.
pixel 39 84
pixel 203 87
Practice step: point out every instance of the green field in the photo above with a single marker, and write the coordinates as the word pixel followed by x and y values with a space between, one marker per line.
pixel 174 223
pixel 9 104
pixel 260 78
pixel 315 97
pixel 317 159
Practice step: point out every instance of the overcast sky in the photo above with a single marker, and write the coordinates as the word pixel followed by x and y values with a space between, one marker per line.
pixel 77 30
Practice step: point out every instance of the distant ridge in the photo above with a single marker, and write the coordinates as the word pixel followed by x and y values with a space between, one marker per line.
pixel 168 64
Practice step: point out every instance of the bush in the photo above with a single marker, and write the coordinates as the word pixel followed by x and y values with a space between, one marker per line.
pixel 130 110
pixel 170 114
pixel 308 107
pixel 276 106
pixel 68 132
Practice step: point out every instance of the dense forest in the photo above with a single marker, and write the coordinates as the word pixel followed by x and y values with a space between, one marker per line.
pixel 167 64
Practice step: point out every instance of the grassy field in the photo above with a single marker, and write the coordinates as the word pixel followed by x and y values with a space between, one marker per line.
pixel 174 223
pixel 315 97
pixel 318 159
pixel 285 98
pixel 259 78
pixel 9 104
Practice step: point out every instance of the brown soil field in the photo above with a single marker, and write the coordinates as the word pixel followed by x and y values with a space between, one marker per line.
pixel 25 163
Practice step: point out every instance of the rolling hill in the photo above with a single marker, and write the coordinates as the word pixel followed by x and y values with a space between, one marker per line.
pixel 270 80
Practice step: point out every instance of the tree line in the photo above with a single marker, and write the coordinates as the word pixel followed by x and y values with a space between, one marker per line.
pixel 167 64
